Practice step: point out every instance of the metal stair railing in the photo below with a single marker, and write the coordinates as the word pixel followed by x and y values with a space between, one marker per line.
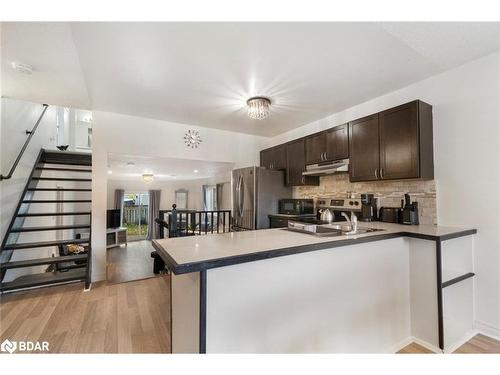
pixel 30 134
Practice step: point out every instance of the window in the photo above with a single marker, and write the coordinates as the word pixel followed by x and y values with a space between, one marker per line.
pixel 210 197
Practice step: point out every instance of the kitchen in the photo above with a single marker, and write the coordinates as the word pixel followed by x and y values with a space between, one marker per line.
pixel 359 196
pixel 416 286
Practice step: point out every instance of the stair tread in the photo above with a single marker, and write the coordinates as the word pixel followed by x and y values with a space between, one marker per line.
pixel 54 214
pixel 64 169
pixel 28 245
pixel 56 189
pixel 42 261
pixel 44 279
pixel 61 179
pixel 42 228
pixel 66 157
pixel 58 201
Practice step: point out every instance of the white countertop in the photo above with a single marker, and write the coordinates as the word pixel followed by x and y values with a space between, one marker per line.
pixel 207 248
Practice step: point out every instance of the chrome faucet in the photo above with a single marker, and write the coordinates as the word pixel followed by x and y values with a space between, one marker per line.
pixel 353 221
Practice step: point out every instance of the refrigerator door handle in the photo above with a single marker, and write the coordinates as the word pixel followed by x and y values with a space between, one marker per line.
pixel 241 197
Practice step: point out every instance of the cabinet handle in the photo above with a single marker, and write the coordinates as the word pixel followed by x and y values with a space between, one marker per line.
pixel 303 180
pixel 326 157
pixel 382 173
pixel 376 174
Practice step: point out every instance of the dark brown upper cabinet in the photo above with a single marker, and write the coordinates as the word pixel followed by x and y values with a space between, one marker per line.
pixel 274 157
pixel 364 148
pixel 296 164
pixel 337 143
pixel 331 144
pixel 315 148
pixel 393 144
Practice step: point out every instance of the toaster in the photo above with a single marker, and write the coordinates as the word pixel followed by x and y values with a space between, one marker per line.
pixel 390 214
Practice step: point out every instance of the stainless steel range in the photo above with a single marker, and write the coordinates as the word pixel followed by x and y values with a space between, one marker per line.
pixel 339 205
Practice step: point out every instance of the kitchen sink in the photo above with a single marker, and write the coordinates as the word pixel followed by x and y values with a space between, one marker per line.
pixel 330 230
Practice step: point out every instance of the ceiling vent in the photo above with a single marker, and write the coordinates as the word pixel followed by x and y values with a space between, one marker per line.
pixel 22 68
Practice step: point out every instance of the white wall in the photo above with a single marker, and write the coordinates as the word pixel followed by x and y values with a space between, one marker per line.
pixel 115 133
pixel 466 110
pixel 18 116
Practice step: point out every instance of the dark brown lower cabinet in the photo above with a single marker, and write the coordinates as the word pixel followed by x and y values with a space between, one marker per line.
pixel 364 149
pixel 296 164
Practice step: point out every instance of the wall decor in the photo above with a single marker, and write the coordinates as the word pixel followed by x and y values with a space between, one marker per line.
pixel 192 138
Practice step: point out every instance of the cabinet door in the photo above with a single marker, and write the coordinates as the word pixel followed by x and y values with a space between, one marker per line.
pixel 315 148
pixel 279 157
pixel 399 155
pixel 337 143
pixel 296 164
pixel 364 149
pixel 266 158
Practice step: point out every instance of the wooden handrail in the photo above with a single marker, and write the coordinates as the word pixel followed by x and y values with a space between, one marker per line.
pixel 30 134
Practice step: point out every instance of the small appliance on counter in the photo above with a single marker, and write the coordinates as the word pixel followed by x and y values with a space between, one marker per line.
pixel 368 208
pixel 389 214
pixel 409 211
pixel 406 214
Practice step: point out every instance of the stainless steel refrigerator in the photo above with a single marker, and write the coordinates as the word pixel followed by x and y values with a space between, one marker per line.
pixel 255 194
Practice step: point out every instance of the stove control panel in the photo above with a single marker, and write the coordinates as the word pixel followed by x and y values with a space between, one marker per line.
pixel 339 204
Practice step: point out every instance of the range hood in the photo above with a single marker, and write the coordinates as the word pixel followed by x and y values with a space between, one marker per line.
pixel 327 167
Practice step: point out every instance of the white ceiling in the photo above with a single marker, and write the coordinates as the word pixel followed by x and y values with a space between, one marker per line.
pixel 164 169
pixel 57 76
pixel 202 73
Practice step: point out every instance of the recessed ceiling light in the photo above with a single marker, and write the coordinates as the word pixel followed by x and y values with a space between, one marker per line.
pixel 22 68
pixel 195 171
pixel 110 172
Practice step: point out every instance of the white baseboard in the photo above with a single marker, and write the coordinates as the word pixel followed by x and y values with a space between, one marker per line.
pixel 463 340
pixel 426 345
pixel 396 348
pixel 98 277
pixel 487 329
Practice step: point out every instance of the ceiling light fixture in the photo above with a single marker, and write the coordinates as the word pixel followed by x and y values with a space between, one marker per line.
pixel 148 177
pixel 110 172
pixel 259 107
pixel 195 171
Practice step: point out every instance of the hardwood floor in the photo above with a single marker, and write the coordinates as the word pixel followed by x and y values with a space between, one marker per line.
pixel 479 344
pixel 130 262
pixel 130 317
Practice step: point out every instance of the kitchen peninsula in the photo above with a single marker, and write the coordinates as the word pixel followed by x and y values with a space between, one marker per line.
pixel 279 291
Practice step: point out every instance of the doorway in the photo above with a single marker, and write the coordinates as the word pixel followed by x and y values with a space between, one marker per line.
pixel 136 215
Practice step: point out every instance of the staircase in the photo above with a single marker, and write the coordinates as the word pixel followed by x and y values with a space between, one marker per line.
pixel 60 181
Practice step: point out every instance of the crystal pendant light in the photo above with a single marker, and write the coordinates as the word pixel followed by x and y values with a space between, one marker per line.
pixel 258 107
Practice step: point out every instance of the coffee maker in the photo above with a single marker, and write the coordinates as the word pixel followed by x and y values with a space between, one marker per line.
pixel 368 208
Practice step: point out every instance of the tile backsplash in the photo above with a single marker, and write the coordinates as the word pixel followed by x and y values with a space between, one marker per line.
pixel 389 193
